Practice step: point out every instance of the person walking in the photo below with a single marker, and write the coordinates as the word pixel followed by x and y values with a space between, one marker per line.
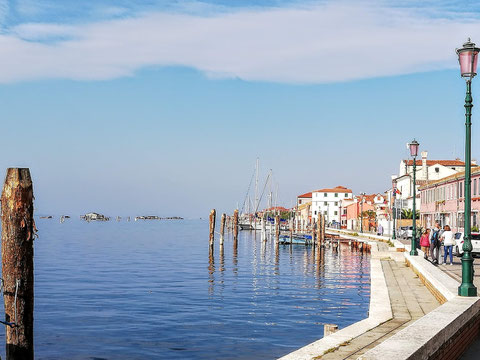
pixel 425 243
pixel 435 243
pixel 448 242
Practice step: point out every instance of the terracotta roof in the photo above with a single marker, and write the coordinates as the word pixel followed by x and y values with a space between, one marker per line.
pixel 434 162
pixel 306 195
pixel 368 198
pixel 336 189
pixel 457 176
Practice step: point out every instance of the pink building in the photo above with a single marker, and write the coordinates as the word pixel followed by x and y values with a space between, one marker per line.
pixel 443 201
pixel 354 209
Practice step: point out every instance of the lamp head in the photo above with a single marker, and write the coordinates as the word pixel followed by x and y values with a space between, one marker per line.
pixel 467 57
pixel 413 146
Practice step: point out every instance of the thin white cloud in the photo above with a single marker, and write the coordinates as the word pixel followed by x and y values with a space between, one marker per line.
pixel 331 42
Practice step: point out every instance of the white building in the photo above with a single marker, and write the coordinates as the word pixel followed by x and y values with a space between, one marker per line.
pixel 328 202
pixel 426 170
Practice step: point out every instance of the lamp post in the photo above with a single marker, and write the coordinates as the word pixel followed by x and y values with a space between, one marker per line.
pixel 394 210
pixel 414 152
pixel 467 57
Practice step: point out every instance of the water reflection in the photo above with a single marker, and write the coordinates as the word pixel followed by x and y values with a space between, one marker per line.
pixel 308 287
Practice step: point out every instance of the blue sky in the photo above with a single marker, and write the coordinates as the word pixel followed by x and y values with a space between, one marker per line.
pixel 162 107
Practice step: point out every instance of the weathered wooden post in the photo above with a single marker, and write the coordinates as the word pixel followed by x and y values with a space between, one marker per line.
pixel 213 214
pixel 235 226
pixel 319 231
pixel 222 228
pixel 323 230
pixel 18 231
pixel 277 227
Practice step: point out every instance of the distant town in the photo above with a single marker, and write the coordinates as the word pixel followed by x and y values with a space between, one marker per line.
pixel 439 188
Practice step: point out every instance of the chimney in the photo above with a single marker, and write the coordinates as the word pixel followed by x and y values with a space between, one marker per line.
pixel 424 165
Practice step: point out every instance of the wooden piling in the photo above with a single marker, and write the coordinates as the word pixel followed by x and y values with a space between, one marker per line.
pixel 322 229
pixel 313 233
pixel 222 228
pixel 319 231
pixel 277 227
pixel 213 214
pixel 235 225
pixel 18 231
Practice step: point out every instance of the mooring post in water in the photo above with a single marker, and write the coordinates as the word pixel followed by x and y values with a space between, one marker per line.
pixel 18 231
pixel 277 227
pixel 319 232
pixel 235 225
pixel 323 230
pixel 222 228
pixel 213 214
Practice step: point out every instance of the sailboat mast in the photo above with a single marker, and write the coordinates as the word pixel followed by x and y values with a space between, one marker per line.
pixel 256 185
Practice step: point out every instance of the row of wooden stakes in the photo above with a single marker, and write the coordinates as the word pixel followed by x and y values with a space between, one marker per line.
pixel 231 224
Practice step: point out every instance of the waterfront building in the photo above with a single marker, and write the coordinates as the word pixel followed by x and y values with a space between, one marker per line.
pixel 443 201
pixel 353 212
pixel 327 202
pixel 303 217
pixel 426 171
pixel 344 203
pixel 304 198
pixel 303 214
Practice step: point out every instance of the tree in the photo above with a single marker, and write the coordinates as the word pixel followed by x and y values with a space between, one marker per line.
pixel 408 214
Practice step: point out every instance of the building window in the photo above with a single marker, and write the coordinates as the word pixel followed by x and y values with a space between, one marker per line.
pixel 336 194
pixel 300 201
pixel 336 203
pixel 316 213
pixel 325 212
pixel 324 194
pixel 325 203
pixel 346 195
pixel 335 213
pixel 460 191
pixel 437 170
pixel 461 220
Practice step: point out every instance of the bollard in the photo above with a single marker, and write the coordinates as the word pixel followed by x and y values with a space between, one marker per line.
pixel 222 228
pixel 235 225
pixel 213 214
pixel 18 231
pixel 329 329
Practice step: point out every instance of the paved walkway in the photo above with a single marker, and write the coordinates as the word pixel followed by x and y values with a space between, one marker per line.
pixel 455 271
pixel 410 300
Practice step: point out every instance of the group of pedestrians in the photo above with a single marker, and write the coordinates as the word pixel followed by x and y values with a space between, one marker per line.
pixel 432 241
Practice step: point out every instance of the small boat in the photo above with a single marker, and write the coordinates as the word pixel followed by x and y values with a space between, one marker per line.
pixel 295 239
pixel 245 226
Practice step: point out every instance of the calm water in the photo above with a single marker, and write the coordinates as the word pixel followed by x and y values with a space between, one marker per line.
pixel 149 290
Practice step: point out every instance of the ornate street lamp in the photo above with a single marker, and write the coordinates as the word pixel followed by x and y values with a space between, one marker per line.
pixel 394 210
pixel 467 57
pixel 413 146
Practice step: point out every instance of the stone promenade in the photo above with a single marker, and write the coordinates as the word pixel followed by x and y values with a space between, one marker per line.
pixel 409 298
